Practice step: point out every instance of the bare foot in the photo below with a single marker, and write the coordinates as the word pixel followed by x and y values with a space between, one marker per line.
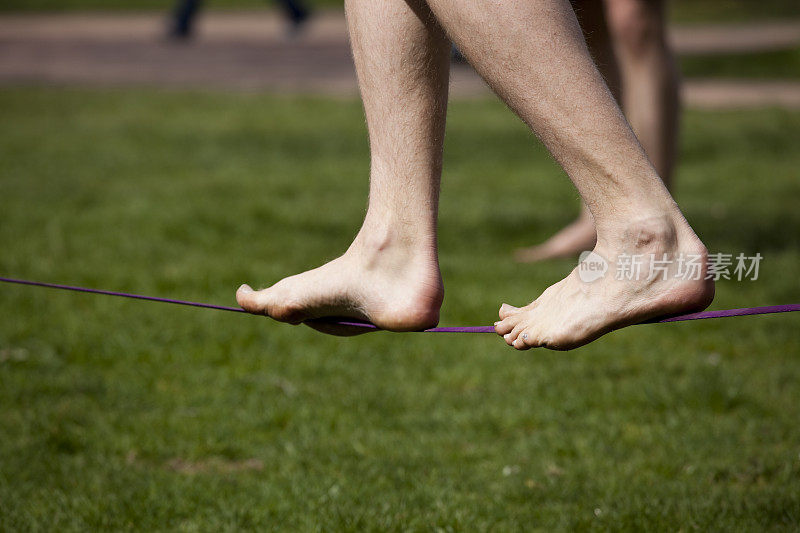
pixel 393 284
pixel 576 311
pixel 569 242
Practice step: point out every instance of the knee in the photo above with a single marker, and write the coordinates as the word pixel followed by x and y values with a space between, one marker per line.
pixel 637 27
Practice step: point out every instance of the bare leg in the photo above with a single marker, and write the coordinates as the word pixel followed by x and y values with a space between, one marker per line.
pixel 390 274
pixel 580 235
pixel 649 76
pixel 533 55
pixel 631 51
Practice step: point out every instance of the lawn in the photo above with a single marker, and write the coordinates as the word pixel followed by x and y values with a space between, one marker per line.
pixel 772 64
pixel 128 415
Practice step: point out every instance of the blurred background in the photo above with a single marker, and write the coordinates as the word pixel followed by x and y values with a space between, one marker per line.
pixel 144 153
pixel 732 52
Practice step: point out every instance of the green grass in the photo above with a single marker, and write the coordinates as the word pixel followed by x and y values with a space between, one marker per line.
pixel 126 415
pixel 733 11
pixel 776 64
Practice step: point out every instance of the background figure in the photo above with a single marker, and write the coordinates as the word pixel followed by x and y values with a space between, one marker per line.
pixel 628 41
pixel 182 22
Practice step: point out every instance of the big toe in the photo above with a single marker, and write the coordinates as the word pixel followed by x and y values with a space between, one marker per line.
pixel 266 302
pixel 248 300
pixel 507 311
pixel 256 302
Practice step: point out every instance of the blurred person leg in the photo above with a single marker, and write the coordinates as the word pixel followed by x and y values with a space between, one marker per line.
pixel 649 76
pixel 532 53
pixel 390 274
pixel 183 16
pixel 185 12
pixel 580 235
pixel 297 12
pixel 628 41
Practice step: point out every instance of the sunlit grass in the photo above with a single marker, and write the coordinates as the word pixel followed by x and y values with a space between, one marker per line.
pixel 130 415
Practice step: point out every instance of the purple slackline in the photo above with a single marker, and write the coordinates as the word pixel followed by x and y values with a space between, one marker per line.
pixel 722 313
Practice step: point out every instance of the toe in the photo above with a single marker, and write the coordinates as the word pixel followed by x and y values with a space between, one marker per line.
pixel 521 342
pixel 507 311
pixel 250 300
pixel 267 302
pixel 506 325
pixel 512 335
pixel 521 326
pixel 526 340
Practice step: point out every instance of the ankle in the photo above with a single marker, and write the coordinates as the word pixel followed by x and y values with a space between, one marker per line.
pixel 395 238
pixel 655 234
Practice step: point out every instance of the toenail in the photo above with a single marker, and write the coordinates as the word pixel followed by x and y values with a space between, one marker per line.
pixel 524 336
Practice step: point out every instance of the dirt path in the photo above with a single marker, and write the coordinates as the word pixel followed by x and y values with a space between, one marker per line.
pixel 250 51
